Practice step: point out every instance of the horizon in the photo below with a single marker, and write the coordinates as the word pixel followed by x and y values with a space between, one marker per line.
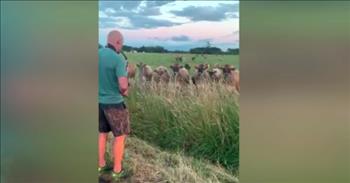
pixel 173 25
pixel 224 50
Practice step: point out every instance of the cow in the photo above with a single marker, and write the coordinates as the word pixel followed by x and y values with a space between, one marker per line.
pixel 181 74
pixel 201 75
pixel 145 72
pixel 161 75
pixel 231 76
pixel 131 68
pixel 178 58
pixel 216 74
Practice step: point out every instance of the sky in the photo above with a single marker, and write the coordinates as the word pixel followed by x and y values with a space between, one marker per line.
pixel 175 25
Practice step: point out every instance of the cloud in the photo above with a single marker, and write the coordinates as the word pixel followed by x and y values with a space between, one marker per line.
pixel 158 3
pixel 146 14
pixel 109 11
pixel 119 5
pixel 208 13
pixel 145 8
pixel 136 14
pixel 205 41
pixel 133 22
pixel 102 14
pixel 122 22
pixel 180 38
pixel 149 11
pixel 146 22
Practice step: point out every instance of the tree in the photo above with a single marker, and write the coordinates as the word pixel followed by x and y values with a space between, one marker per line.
pixel 206 50
pixel 152 49
pixel 234 51
pixel 208 44
pixel 128 48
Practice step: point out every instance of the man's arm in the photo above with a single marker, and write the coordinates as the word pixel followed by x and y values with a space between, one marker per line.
pixel 123 85
pixel 122 75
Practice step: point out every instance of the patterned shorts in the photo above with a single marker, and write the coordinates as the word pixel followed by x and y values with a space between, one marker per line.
pixel 115 118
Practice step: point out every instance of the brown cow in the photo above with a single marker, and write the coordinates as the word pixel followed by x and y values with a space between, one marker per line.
pixel 161 74
pixel 145 72
pixel 231 76
pixel 201 75
pixel 131 70
pixel 181 74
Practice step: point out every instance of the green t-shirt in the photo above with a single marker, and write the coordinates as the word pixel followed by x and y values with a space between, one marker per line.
pixel 111 66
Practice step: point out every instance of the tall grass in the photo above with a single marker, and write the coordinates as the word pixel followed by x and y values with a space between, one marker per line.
pixel 200 121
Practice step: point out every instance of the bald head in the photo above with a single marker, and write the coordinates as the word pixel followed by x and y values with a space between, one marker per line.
pixel 115 38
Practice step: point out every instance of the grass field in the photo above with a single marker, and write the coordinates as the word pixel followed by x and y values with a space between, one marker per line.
pixel 147 163
pixel 156 59
pixel 200 124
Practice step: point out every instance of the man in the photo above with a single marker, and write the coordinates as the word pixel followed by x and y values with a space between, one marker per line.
pixel 113 114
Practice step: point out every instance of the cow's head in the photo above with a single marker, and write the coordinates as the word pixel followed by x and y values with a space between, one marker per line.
pixel 227 69
pixel 140 65
pixel 211 73
pixel 201 67
pixel 175 68
pixel 160 70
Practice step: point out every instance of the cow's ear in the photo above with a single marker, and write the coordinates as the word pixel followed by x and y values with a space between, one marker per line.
pixel 187 66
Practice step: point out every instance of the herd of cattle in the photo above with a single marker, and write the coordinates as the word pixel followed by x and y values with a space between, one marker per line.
pixel 226 74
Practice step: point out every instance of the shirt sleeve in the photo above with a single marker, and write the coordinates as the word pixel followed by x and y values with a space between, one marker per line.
pixel 121 70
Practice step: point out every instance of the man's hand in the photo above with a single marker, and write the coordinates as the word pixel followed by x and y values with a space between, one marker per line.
pixel 125 93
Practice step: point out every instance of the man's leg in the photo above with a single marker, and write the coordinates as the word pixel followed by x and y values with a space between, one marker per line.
pixel 118 150
pixel 102 140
